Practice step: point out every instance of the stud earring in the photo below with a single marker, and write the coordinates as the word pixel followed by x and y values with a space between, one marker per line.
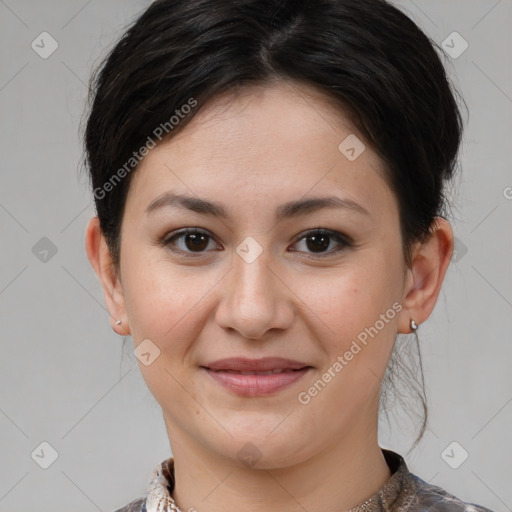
pixel 413 325
pixel 118 322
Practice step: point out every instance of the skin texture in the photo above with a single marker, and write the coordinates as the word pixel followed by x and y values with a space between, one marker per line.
pixel 252 152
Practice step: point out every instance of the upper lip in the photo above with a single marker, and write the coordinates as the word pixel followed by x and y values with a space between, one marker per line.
pixel 244 364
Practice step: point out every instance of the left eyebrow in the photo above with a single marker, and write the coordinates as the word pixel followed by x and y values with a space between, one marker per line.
pixel 285 211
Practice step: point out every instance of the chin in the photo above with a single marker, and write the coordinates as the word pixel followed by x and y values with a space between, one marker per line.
pixel 269 445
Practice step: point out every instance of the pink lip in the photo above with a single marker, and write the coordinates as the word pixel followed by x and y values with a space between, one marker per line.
pixel 224 371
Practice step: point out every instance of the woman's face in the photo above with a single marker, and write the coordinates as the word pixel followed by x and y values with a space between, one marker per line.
pixel 256 284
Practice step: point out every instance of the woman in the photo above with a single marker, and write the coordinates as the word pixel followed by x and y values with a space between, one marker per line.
pixel 269 179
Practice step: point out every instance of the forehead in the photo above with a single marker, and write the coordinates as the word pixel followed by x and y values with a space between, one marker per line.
pixel 260 118
pixel 261 142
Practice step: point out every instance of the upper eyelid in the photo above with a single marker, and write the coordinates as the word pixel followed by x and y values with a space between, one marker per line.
pixel 331 232
pixel 185 231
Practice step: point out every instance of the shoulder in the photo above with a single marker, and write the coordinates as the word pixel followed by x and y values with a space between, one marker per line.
pixel 138 505
pixel 435 498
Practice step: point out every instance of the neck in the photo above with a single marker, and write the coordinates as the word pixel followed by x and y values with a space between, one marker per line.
pixel 345 473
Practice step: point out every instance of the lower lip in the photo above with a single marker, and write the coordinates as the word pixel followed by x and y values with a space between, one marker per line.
pixel 256 385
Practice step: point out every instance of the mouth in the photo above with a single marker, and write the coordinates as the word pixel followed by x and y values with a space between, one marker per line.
pixel 251 378
pixel 267 372
pixel 266 364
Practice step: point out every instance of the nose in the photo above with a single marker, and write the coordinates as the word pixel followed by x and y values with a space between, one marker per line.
pixel 255 299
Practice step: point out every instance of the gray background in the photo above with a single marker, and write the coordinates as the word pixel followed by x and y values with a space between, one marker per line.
pixel 64 379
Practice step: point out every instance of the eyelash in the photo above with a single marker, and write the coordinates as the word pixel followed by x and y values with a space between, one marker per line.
pixel 167 241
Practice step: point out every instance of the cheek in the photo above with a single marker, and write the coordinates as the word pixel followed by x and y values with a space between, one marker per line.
pixel 345 300
pixel 164 306
pixel 353 312
pixel 161 296
pixel 169 305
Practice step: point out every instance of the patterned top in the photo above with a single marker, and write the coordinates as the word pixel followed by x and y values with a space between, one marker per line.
pixel 403 492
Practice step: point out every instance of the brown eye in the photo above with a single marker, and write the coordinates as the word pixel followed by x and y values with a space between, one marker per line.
pixel 193 241
pixel 319 240
pixel 196 241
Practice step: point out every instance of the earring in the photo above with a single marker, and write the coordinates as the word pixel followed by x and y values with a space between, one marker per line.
pixel 413 325
pixel 118 322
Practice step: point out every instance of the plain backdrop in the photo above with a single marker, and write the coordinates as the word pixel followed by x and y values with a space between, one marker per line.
pixel 64 379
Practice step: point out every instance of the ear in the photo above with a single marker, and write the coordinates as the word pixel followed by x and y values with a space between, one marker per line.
pixel 100 259
pixel 426 275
